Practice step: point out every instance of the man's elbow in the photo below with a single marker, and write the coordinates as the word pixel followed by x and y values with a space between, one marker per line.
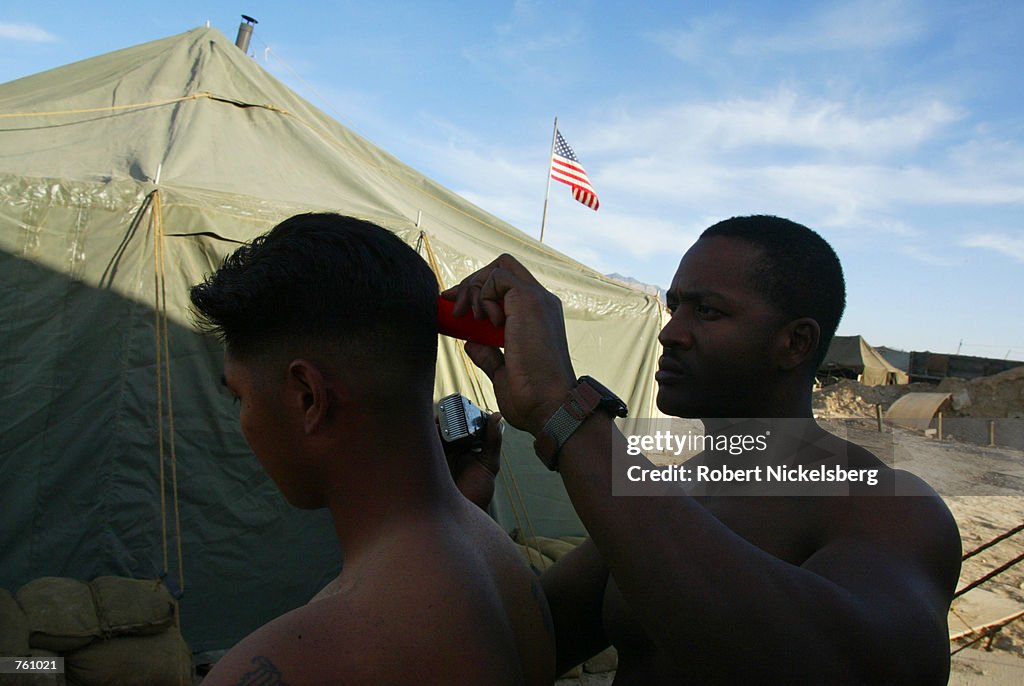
pixel 918 658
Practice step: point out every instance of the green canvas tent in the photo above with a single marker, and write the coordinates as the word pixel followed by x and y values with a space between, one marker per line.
pixel 851 357
pixel 126 178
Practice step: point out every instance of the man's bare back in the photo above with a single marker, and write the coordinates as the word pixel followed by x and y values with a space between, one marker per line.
pixel 446 598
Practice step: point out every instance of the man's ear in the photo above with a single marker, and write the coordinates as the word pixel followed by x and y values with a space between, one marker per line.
pixel 798 343
pixel 311 393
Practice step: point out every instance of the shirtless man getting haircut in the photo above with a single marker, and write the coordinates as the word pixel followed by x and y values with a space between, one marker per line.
pixel 330 332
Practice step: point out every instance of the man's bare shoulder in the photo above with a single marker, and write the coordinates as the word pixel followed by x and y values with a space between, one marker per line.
pixel 296 648
pixel 895 509
pixel 895 548
pixel 398 638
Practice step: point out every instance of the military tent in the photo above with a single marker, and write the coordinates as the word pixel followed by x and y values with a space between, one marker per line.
pixel 126 178
pixel 851 357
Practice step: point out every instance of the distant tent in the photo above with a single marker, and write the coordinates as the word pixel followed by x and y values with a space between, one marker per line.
pixel 851 357
pixel 897 358
pixel 124 179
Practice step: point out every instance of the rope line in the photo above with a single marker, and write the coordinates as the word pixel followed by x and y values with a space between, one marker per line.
pixel 165 340
pixel 997 539
pixel 158 326
pixel 989 632
pixel 110 108
pixel 164 396
pixel 988 577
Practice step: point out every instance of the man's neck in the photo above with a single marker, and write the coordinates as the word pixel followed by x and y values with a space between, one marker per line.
pixel 384 479
pixel 790 401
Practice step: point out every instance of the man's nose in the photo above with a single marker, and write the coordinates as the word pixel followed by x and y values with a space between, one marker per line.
pixel 677 333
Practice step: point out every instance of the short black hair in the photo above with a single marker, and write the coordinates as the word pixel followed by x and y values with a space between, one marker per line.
pixel 800 273
pixel 329 278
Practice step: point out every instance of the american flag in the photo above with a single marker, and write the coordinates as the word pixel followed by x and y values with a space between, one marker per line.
pixel 567 169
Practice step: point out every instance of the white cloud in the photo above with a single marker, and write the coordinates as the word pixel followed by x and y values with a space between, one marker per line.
pixel 697 42
pixel 26 33
pixel 1006 244
pixel 859 25
pixel 522 48
pixel 783 118
pixel 926 256
pixel 663 174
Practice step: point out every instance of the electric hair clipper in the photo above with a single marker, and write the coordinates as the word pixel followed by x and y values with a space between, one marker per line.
pixel 460 420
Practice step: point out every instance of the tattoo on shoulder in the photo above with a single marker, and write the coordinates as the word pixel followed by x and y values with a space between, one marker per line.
pixel 265 673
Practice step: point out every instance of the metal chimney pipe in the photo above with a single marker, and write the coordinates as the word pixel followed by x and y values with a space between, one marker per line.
pixel 245 33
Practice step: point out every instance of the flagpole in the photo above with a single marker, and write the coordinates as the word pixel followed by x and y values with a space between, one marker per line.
pixel 547 191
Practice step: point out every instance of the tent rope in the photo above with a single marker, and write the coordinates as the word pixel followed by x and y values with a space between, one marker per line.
pixel 508 496
pixel 158 327
pixel 991 575
pixel 998 570
pixel 198 95
pixel 110 108
pixel 997 539
pixel 526 516
pixel 988 632
pixel 163 390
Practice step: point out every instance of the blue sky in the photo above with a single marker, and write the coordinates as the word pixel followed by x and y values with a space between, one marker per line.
pixel 894 128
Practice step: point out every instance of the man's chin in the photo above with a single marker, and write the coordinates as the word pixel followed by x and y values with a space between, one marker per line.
pixel 671 404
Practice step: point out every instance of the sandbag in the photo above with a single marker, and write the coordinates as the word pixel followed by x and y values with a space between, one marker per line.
pixel 160 660
pixel 533 557
pixel 61 613
pixel 605 661
pixel 13 627
pixel 551 547
pixel 138 607
pixel 574 540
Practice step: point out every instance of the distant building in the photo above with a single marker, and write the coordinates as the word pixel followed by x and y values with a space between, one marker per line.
pixel 933 367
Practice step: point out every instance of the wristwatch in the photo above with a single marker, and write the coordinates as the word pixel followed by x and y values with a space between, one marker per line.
pixel 588 396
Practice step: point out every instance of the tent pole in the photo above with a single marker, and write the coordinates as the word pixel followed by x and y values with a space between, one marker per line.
pixel 547 191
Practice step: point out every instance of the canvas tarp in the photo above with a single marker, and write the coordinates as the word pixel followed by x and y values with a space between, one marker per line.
pixel 153 163
pixel 852 357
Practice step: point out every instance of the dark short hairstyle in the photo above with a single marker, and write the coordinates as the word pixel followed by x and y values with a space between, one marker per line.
pixel 325 278
pixel 799 272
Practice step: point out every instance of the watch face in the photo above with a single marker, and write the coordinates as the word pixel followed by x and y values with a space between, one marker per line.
pixel 609 401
